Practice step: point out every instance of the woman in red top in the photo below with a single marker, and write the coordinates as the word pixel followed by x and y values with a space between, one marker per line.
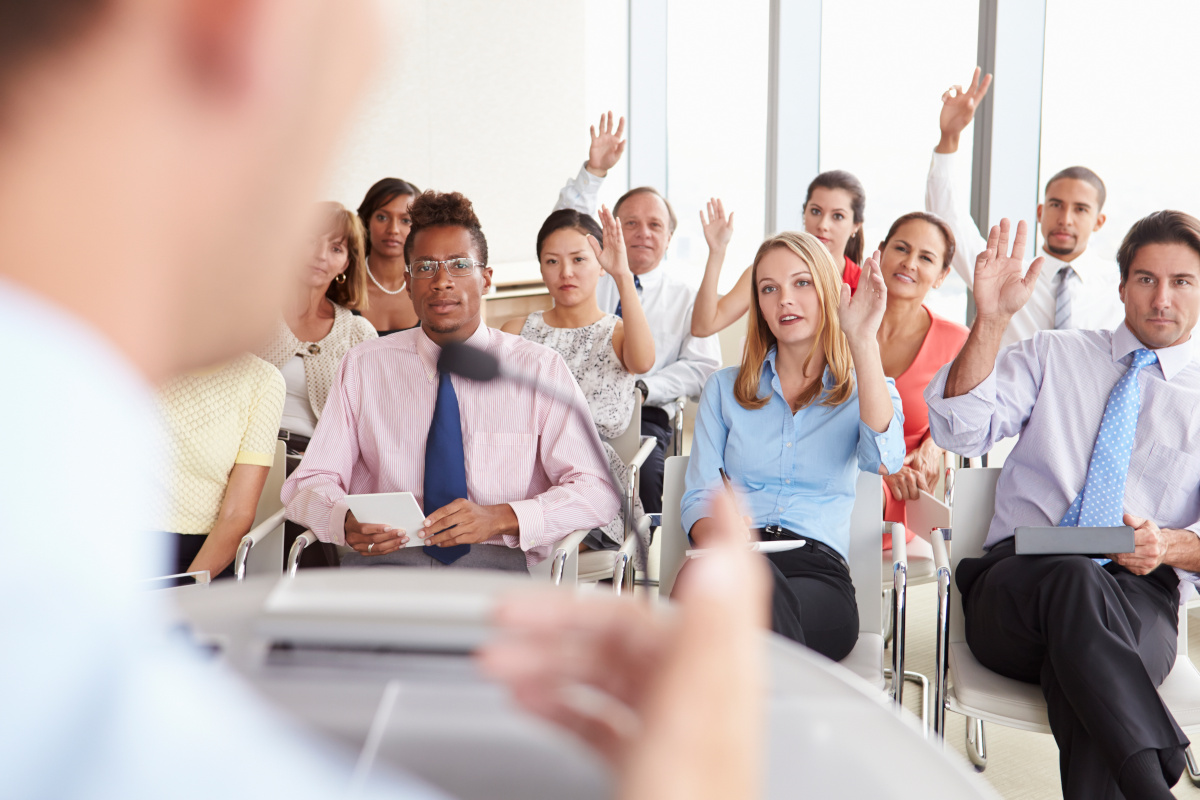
pixel 915 343
pixel 833 212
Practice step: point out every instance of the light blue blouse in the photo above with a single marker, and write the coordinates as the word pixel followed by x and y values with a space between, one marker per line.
pixel 793 470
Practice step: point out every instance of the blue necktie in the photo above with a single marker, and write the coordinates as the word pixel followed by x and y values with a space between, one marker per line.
pixel 637 284
pixel 1102 501
pixel 445 465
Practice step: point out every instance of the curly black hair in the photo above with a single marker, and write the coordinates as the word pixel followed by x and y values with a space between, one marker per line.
pixel 432 209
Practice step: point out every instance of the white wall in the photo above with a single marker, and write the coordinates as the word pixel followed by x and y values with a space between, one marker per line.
pixel 487 98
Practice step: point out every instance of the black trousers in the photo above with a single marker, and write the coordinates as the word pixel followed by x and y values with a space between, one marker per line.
pixel 316 555
pixel 187 547
pixel 656 423
pixel 812 601
pixel 1099 640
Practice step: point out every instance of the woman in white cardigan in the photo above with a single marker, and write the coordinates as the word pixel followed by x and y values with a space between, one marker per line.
pixel 318 324
pixel 317 329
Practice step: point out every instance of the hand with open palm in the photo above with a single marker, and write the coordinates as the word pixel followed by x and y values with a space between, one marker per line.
pixel 718 228
pixel 861 313
pixel 607 145
pixel 1002 285
pixel 611 256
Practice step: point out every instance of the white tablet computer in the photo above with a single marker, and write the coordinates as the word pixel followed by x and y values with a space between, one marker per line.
pixel 1033 541
pixel 397 509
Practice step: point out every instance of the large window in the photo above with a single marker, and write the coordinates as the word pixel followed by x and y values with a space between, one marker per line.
pixel 1118 97
pixel 884 67
pixel 717 123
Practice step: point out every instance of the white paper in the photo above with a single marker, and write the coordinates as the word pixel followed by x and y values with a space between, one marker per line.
pixel 777 546
pixel 395 509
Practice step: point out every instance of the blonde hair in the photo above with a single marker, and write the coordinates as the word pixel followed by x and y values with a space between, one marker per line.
pixel 827 280
pixel 342 223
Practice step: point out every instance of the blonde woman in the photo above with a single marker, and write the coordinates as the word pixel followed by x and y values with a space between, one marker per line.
pixel 808 408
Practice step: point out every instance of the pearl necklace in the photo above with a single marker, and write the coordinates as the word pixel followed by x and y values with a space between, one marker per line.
pixel 382 288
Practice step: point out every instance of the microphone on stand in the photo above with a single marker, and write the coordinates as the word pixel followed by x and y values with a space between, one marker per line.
pixel 465 361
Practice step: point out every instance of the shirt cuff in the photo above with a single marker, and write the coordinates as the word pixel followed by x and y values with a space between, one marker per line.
pixel 965 412
pixel 256 459
pixel 889 443
pixel 335 530
pixel 531 525
pixel 696 511
pixel 587 181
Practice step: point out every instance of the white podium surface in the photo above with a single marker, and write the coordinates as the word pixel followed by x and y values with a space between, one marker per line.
pixel 830 734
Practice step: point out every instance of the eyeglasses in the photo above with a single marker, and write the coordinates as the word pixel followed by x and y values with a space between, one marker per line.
pixel 455 267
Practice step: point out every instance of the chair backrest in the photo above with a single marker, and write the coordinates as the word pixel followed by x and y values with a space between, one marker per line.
pixel 267 556
pixel 672 539
pixel 866 540
pixel 971 516
pixel 866 547
pixel 628 443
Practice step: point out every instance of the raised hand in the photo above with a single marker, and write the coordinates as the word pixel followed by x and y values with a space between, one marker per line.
pixel 861 313
pixel 718 229
pixel 1002 285
pixel 958 108
pixel 612 257
pixel 607 145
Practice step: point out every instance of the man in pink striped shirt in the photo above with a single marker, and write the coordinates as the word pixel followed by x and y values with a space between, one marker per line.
pixel 534 472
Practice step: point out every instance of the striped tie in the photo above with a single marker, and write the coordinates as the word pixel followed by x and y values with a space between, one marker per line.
pixel 1062 300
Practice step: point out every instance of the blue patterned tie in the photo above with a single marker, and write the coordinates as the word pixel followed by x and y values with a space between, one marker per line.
pixel 637 284
pixel 1102 501
pixel 445 465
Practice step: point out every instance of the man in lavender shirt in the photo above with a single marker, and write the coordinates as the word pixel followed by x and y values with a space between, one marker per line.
pixel 1098 636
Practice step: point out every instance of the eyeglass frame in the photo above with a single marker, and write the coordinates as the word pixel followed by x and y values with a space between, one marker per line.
pixel 442 265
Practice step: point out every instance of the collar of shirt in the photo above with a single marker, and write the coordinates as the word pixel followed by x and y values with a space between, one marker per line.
pixel 1089 271
pixel 773 375
pixel 653 278
pixel 429 350
pixel 1171 359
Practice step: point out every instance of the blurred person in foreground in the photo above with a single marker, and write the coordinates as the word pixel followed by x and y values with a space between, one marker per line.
pixel 126 102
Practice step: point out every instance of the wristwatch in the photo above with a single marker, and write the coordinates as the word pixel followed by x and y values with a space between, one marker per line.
pixel 641 386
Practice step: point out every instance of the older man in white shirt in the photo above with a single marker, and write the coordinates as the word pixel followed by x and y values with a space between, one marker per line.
pixel 1076 289
pixel 682 362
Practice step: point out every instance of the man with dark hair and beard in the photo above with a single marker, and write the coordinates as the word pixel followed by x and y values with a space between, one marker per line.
pixel 1076 289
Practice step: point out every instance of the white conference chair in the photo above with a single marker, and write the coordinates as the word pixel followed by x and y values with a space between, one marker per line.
pixel 597 565
pixel 562 567
pixel 866 537
pixel 966 687
pixel 260 552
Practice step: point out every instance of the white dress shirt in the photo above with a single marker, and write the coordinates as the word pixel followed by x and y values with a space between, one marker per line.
pixel 1095 302
pixel 98 700
pixel 682 362
pixel 1053 389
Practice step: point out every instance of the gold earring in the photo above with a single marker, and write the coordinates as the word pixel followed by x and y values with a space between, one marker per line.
pixel 341 277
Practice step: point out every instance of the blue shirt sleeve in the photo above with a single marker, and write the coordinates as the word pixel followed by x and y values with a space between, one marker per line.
pixel 707 458
pixel 885 449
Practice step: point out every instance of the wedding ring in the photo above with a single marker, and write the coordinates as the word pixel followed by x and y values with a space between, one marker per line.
pixel 370 547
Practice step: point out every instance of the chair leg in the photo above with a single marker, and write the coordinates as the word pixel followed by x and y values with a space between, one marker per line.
pixel 976 744
pixel 919 679
pixel 1193 770
pixel 888 620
